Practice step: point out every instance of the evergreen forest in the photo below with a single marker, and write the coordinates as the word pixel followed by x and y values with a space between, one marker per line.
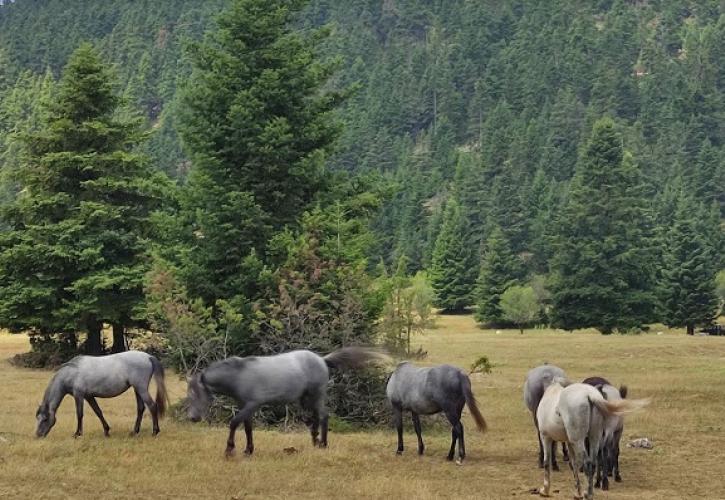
pixel 251 176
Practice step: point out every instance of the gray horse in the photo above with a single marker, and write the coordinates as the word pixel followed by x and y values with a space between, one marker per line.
pixel 298 376
pixel 89 377
pixel 608 459
pixel 426 391
pixel 537 380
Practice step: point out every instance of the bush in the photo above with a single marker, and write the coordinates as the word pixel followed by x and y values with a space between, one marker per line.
pixel 47 351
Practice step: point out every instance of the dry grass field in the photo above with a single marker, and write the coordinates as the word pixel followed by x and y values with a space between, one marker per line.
pixel 686 421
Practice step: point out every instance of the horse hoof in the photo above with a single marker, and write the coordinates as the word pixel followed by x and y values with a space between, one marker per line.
pixel 555 467
pixel 459 461
pixel 398 452
pixel 544 492
pixel 618 479
pixel 76 435
pixel 229 453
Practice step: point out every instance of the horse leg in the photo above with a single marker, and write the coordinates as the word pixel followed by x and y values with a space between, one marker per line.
pixel 244 415
pixel 249 449
pixel 398 422
pixel 454 420
pixel 599 466
pixel 605 464
pixel 324 424
pixel 591 460
pixel 461 443
pixel 139 412
pixel 416 425
pixel 97 409
pixel 79 414
pixel 576 458
pixel 146 398
pixel 554 464
pixel 546 448
pixel 615 456
pixel 565 452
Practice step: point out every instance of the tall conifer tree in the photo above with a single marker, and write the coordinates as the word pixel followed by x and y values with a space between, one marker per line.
pixel 452 271
pixel 74 256
pixel 499 270
pixel 602 268
pixel 688 286
pixel 256 126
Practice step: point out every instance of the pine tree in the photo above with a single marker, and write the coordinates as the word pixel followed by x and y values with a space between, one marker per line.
pixel 602 269
pixel 452 267
pixel 256 125
pixel 689 296
pixel 74 256
pixel 499 270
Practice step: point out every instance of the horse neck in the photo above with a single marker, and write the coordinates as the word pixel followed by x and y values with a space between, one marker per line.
pixel 219 379
pixel 56 391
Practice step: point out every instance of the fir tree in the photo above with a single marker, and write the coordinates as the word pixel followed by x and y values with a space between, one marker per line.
pixel 499 270
pixel 602 269
pixel 452 267
pixel 688 287
pixel 256 126
pixel 74 257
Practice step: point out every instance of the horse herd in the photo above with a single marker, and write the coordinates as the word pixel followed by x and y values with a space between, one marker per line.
pixel 585 417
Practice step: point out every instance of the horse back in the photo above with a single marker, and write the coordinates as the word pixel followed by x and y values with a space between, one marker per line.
pixel 108 376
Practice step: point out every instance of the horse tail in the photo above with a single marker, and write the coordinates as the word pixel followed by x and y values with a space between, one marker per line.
pixel 472 404
pixel 617 408
pixel 162 397
pixel 353 357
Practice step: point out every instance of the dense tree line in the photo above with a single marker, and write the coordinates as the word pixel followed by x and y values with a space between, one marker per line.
pixel 259 165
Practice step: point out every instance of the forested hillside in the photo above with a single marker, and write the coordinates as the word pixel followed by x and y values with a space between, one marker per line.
pixel 572 149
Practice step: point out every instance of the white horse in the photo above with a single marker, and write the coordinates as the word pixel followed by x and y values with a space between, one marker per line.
pixel 571 413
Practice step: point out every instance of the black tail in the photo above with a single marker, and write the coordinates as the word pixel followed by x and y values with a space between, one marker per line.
pixel 162 396
pixel 353 357
pixel 472 404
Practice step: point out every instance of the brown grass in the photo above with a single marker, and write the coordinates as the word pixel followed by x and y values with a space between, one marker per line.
pixel 684 375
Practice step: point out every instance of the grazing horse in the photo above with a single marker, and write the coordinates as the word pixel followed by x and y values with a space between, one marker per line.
pixel 608 462
pixel 296 376
pixel 537 380
pixel 425 391
pixel 572 414
pixel 89 377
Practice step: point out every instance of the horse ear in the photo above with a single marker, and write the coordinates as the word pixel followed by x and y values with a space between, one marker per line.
pixel 623 391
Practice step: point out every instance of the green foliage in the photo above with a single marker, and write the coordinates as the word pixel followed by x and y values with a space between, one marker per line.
pixel 74 256
pixel 720 286
pixel 482 365
pixel 603 266
pixel 452 270
pixel 407 310
pixel 520 305
pixel 256 124
pixel 688 285
pixel 499 270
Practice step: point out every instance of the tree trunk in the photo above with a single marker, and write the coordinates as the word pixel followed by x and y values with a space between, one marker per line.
pixel 119 339
pixel 93 343
pixel 691 329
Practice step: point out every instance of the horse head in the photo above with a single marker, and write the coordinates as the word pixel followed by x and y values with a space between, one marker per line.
pixel 46 420
pixel 198 399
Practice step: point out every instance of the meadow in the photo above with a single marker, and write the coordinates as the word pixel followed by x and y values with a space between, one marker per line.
pixel 684 375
